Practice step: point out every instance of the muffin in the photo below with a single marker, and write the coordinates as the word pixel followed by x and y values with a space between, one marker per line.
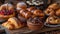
pixel 53 20
pixel 21 5
pixel 6 11
pixel 25 13
pixel 34 23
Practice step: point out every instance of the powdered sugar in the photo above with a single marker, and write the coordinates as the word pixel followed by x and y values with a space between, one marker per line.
pixel 21 3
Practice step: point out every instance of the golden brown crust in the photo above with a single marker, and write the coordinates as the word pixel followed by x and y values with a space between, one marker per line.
pixel 39 13
pixel 13 23
pixel 49 11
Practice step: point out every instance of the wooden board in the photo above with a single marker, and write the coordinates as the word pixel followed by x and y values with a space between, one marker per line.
pixel 25 30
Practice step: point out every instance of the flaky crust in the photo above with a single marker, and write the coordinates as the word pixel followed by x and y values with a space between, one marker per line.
pixel 13 23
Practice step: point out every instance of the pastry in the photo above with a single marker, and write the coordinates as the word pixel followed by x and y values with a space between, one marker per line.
pixel 54 6
pixel 13 23
pixel 53 20
pixel 34 23
pixel 7 11
pixel 51 9
pixel 58 13
pixel 39 13
pixel 21 5
pixel 31 9
pixel 49 12
pixel 25 13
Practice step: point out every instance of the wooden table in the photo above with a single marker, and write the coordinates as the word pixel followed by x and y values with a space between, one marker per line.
pixel 25 30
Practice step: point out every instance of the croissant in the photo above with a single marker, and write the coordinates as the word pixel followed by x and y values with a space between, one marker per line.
pixel 13 23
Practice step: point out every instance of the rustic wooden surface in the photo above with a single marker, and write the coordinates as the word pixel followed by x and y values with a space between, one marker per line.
pixel 25 30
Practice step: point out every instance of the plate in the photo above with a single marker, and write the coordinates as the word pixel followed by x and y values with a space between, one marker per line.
pixel 49 25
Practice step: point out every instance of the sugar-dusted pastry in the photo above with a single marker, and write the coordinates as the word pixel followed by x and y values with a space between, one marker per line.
pixel 13 23
pixel 21 5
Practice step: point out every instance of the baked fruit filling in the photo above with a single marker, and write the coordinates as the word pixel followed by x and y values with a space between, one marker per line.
pixel 6 12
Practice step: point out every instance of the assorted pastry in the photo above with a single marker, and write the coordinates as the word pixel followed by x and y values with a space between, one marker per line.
pixel 38 13
pixel 51 9
pixel 53 12
pixel 25 13
pixel 53 20
pixel 34 23
pixel 13 23
pixel 7 11
pixel 31 17
pixel 21 5
pixel 30 12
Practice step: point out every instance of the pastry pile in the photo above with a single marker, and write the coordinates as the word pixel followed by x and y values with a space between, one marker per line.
pixel 31 17
pixel 53 11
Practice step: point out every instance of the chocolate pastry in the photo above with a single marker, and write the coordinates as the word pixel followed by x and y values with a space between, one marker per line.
pixel 34 23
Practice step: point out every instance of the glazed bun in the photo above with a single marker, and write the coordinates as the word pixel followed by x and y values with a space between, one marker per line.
pixel 38 13
pixel 25 13
pixel 21 5
pixel 49 12
pixel 31 8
